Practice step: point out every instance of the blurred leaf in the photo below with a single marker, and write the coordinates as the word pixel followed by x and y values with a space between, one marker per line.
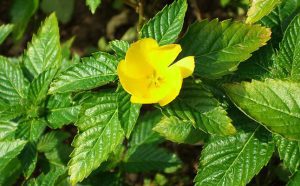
pixel 219 47
pixel 179 131
pixel 295 180
pixel 63 9
pixel 235 160
pixel 9 150
pixel 100 133
pixel 259 9
pixel 93 4
pixel 149 158
pixel 10 172
pixel 5 30
pixel 289 152
pixel 44 51
pixel 61 110
pixel 167 24
pixel 21 12
pixel 197 105
pixel 12 83
pixel 128 112
pixel 93 72
pixel 288 59
pixel 273 103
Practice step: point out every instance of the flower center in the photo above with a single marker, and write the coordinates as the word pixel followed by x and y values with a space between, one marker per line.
pixel 155 79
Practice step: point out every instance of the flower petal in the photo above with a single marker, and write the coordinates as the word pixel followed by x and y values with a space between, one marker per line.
pixel 165 55
pixel 174 81
pixel 186 66
pixel 139 58
pixel 134 86
pixel 143 100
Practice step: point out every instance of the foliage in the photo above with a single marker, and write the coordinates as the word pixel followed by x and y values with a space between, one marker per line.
pixel 66 119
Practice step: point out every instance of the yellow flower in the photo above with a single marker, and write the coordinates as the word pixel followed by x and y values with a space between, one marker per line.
pixel 147 72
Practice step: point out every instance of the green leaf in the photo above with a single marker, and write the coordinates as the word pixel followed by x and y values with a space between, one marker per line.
pixel 93 4
pixel 39 86
pixel 120 47
pixel 9 150
pixel 167 24
pixel 48 141
pixel 281 16
pixel 259 9
pixel 143 133
pixel 219 47
pixel 30 130
pixel 7 130
pixel 63 9
pixel 128 112
pixel 235 160
pixel 197 105
pixel 289 152
pixel 5 30
pixel 10 172
pixel 21 12
pixel 288 59
pixel 179 131
pixel 94 71
pixel 259 66
pixel 100 133
pixel 61 110
pixel 295 180
pixel 273 103
pixel 149 158
pixel 48 179
pixel 12 83
pixel 44 50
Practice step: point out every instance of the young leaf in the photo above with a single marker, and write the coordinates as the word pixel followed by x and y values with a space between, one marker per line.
pixel 219 47
pixel 44 50
pixel 100 133
pixel 128 112
pixel 148 158
pixel 120 48
pixel 289 152
pixel 93 72
pixel 5 30
pixel 39 86
pixel 167 24
pixel 179 131
pixel 48 141
pixel 273 103
pixel 197 105
pixel 259 9
pixel 48 179
pixel 235 160
pixel 9 150
pixel 21 12
pixel 61 110
pixel 93 4
pixel 288 59
pixel 12 82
